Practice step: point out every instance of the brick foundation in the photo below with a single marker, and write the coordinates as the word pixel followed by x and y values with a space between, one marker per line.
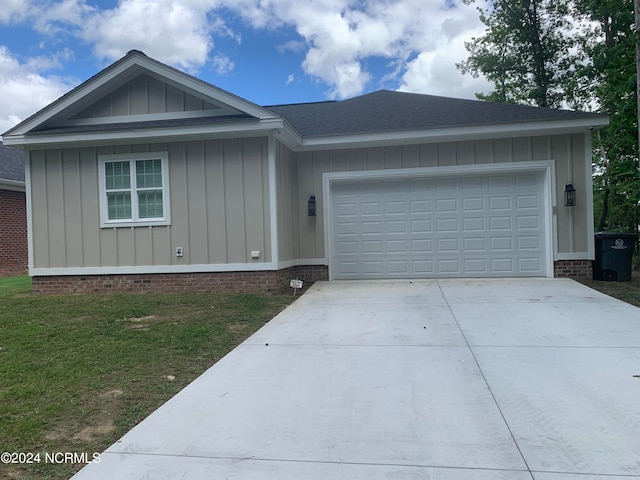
pixel 261 282
pixel 573 268
pixel 13 233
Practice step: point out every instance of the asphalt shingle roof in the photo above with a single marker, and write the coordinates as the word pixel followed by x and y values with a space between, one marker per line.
pixel 388 111
pixel 11 163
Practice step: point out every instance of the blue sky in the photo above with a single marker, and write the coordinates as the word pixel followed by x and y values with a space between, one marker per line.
pixel 267 51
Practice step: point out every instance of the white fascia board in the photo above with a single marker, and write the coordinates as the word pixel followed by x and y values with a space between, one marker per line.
pixel 127 68
pixel 12 185
pixel 289 136
pixel 451 134
pixel 144 135
pixel 150 269
pixel 206 90
pixel 71 98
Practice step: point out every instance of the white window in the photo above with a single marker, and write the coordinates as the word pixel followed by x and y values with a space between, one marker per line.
pixel 134 189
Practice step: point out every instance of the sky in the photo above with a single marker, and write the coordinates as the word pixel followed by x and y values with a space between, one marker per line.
pixel 269 52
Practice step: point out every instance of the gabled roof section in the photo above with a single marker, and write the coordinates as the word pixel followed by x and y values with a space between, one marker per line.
pixel 386 111
pixel 137 89
pixel 11 166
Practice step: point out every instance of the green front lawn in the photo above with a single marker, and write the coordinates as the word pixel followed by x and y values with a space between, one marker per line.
pixel 626 291
pixel 78 371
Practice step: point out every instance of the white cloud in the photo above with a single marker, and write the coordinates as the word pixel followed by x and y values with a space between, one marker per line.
pixel 13 10
pixel 53 18
pixel 418 41
pixel 24 90
pixel 295 46
pixel 433 71
pixel 222 64
pixel 174 32
pixel 340 35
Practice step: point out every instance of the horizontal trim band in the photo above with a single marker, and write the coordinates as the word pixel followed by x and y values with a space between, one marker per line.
pixel 152 269
pixel 145 269
pixel 574 256
pixel 12 185
pixel 302 262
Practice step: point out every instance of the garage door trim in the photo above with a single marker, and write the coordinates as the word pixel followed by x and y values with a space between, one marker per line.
pixel 547 167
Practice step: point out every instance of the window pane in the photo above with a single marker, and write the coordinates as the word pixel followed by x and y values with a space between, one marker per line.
pixel 149 173
pixel 117 175
pixel 150 204
pixel 119 205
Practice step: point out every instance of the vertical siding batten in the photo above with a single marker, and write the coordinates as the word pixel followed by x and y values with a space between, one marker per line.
pixel 195 188
pixel 521 148
pixel 252 198
pixel 234 201
pixel 72 200
pixel 231 196
pixel 465 153
pixel 316 163
pixel 179 228
pixel 572 240
pixel 89 207
pixel 216 216
pixel 29 206
pixel 55 198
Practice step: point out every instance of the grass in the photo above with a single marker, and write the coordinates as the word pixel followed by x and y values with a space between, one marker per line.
pixel 626 291
pixel 78 371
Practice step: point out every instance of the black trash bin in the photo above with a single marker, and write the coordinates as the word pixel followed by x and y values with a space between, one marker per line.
pixel 614 256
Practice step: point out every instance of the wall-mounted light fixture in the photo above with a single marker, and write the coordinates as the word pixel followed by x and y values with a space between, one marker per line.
pixel 311 206
pixel 569 195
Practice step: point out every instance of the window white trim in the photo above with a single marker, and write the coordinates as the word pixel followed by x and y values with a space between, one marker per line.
pixel 134 220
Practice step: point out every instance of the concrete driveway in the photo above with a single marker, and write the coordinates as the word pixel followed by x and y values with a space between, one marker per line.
pixel 429 379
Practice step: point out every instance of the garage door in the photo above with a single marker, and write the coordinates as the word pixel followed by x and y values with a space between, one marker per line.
pixel 470 226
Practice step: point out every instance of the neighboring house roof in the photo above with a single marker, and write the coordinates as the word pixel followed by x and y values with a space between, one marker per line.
pixel 388 111
pixel 11 165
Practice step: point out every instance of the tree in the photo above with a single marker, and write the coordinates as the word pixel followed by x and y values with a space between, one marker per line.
pixel 526 52
pixel 575 53
pixel 611 47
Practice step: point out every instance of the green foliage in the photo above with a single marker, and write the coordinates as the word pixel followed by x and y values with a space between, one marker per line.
pixel 576 53
pixel 78 371
pixel 525 52
pixel 611 45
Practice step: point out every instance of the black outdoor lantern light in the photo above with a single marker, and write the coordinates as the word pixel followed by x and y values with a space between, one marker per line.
pixel 569 195
pixel 311 206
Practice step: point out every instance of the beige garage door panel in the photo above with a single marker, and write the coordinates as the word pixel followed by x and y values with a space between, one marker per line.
pixel 491 225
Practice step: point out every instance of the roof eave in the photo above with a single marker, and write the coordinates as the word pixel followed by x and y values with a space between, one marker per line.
pixel 127 67
pixel 449 134
pixel 16 185
pixel 140 135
